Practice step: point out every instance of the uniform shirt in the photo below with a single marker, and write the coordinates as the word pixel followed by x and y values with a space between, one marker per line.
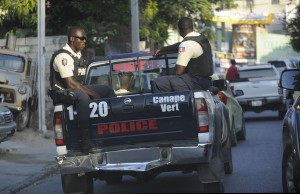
pixel 64 63
pixel 188 49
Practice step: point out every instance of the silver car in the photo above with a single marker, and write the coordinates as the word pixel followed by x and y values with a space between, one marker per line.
pixel 7 124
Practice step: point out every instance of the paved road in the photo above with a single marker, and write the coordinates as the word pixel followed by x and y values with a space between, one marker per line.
pixel 25 158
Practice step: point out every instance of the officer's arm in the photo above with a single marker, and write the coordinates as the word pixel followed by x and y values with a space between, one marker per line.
pixel 72 83
pixel 170 48
pixel 179 69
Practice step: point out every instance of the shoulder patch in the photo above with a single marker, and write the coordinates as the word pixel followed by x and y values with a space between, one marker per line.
pixel 181 49
pixel 64 61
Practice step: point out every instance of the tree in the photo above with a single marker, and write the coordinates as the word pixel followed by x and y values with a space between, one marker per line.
pixel 17 14
pixel 292 26
pixel 109 20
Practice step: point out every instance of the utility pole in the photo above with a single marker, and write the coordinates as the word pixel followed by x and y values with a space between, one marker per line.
pixel 223 26
pixel 135 34
pixel 41 65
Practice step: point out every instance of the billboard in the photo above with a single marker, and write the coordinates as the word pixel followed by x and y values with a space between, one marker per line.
pixel 244 41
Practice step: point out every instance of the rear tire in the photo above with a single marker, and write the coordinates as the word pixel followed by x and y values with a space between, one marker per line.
pixel 281 114
pixel 233 135
pixel 113 179
pixel 216 187
pixel 241 135
pixel 290 173
pixel 73 183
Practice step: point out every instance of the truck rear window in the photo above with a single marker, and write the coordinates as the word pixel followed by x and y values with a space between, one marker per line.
pixel 130 76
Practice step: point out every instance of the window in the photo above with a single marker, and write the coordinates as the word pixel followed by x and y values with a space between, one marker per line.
pixel 275 2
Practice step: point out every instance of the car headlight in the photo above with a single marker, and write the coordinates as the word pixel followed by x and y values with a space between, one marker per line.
pixel 22 90
pixel 2 119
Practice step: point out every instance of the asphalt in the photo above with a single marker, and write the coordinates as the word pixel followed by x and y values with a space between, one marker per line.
pixel 25 158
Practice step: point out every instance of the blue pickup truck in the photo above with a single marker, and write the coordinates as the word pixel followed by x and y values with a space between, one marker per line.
pixel 143 134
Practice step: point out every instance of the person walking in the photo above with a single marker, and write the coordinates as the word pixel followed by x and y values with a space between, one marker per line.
pixel 232 72
pixel 194 64
pixel 66 68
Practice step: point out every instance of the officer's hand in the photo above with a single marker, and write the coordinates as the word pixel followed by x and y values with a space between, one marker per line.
pixel 156 53
pixel 95 96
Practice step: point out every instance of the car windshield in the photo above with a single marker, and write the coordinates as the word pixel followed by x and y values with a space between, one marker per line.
pixel 257 73
pixel 12 63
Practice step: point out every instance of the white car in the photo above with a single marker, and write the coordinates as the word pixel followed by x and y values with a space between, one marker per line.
pixel 259 86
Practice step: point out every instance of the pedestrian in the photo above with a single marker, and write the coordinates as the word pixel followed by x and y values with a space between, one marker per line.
pixel 232 73
pixel 66 66
pixel 194 64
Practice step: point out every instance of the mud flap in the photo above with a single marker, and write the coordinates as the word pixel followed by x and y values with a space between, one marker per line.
pixel 212 172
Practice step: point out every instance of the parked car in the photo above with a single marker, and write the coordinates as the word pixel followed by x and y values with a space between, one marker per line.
pixel 236 114
pixel 285 64
pixel 259 85
pixel 18 85
pixel 7 124
pixel 290 80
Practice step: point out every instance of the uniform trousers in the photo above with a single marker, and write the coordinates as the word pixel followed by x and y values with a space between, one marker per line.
pixel 82 100
pixel 186 81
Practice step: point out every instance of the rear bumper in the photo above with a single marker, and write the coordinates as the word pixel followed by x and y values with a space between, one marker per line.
pixel 266 103
pixel 141 160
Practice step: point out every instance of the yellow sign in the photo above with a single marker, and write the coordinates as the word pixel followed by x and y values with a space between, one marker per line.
pixel 268 20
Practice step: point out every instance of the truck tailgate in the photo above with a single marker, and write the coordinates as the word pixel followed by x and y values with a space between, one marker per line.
pixel 142 118
pixel 257 88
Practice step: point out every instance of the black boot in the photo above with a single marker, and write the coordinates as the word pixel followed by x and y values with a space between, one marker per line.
pixel 86 143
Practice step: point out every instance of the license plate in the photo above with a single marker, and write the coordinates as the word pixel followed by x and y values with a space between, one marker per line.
pixel 256 103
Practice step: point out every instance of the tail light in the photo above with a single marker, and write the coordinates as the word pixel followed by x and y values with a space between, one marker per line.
pixel 202 115
pixel 222 97
pixel 57 123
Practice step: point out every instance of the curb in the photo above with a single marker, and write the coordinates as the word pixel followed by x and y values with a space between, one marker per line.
pixel 48 170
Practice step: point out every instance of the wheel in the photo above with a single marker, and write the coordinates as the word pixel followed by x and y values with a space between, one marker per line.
pixel 233 135
pixel 241 135
pixel 216 187
pixel 281 114
pixel 22 118
pixel 74 183
pixel 228 165
pixel 113 179
pixel 290 174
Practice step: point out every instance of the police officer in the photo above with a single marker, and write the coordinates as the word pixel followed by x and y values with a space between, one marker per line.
pixel 194 64
pixel 66 67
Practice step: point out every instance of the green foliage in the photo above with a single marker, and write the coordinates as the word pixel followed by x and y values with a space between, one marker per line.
pixel 109 19
pixel 292 27
pixel 17 14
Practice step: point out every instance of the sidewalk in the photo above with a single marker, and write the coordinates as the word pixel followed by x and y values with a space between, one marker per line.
pixel 25 158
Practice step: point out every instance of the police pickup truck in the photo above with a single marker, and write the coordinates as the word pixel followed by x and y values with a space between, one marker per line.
pixel 143 134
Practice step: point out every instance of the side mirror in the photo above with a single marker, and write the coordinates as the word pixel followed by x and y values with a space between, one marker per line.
pixel 290 79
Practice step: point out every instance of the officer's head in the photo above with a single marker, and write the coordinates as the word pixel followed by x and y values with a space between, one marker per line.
pixel 185 26
pixel 76 38
pixel 233 62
